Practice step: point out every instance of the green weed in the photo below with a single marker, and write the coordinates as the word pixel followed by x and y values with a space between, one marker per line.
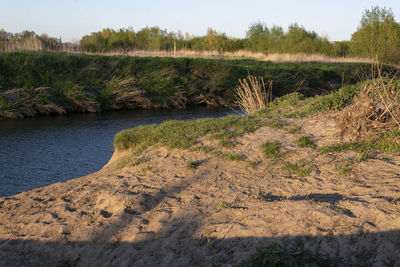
pixel 233 157
pixel 271 150
pixel 226 138
pixel 304 141
pixel 299 168
pixel 221 205
pixel 146 169
pixel 276 124
pixel 207 236
pixel 253 164
pixel 294 130
pixel 275 255
pixel 192 164
pixel 383 143
pixel 342 170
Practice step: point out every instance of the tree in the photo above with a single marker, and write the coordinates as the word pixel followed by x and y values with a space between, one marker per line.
pixel 378 36
pixel 211 40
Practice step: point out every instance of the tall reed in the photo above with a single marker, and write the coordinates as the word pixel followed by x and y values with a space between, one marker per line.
pixel 252 94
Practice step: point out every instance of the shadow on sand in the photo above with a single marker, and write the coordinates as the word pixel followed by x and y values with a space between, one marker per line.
pixel 362 249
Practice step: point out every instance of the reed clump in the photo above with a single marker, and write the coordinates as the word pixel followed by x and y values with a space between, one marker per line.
pixel 252 94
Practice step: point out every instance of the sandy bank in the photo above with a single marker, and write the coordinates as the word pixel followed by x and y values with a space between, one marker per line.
pixel 162 213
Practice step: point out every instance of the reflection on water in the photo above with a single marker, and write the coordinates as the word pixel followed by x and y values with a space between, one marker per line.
pixel 42 151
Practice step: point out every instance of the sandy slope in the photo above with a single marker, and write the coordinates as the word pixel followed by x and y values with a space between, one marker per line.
pixel 162 213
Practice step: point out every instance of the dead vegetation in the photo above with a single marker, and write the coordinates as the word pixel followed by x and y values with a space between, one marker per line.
pixel 375 110
pixel 252 94
pixel 240 54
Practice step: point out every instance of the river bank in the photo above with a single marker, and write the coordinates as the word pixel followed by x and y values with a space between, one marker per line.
pixel 179 207
pixel 210 191
pixel 43 83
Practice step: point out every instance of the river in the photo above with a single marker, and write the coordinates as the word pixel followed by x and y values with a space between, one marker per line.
pixel 36 152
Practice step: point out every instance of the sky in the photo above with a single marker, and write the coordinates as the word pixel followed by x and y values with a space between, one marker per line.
pixel 71 19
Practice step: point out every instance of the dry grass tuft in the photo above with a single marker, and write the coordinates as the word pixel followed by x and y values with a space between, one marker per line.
pixel 252 95
pixel 374 110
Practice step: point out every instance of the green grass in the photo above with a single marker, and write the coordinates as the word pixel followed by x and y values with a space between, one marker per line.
pixel 233 157
pixel 182 134
pixel 185 134
pixel 277 124
pixel 304 141
pixel 342 170
pixel 271 150
pixel 294 130
pixel 133 160
pixel 298 168
pixel 226 138
pixel 386 142
pixel 276 255
pixel 295 105
pixel 147 169
pixel 164 82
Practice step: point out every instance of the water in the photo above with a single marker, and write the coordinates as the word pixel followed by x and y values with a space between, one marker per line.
pixel 41 151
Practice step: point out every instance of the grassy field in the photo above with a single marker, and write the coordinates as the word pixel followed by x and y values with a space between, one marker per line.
pixel 82 83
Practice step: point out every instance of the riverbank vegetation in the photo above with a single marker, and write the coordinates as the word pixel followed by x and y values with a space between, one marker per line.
pixel 376 38
pixel 375 129
pixel 42 83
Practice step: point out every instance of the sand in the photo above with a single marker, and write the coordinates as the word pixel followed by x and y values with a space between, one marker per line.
pixel 161 213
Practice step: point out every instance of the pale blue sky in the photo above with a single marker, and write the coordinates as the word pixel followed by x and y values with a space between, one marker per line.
pixel 71 19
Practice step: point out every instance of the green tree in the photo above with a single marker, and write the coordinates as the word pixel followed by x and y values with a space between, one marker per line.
pixel 211 40
pixel 258 38
pixel 378 36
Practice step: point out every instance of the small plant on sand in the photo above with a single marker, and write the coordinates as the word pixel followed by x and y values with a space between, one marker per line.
pixel 272 150
pixel 131 161
pixel 192 164
pixel 221 205
pixel 294 130
pixel 226 138
pixel 233 157
pixel 304 141
pixel 388 142
pixel 276 255
pixel 253 164
pixel 298 168
pixel 226 144
pixel 342 170
pixel 207 236
pixel 252 94
pixel 277 124
pixel 147 169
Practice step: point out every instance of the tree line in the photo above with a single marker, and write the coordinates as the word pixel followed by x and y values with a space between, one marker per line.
pixel 377 37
